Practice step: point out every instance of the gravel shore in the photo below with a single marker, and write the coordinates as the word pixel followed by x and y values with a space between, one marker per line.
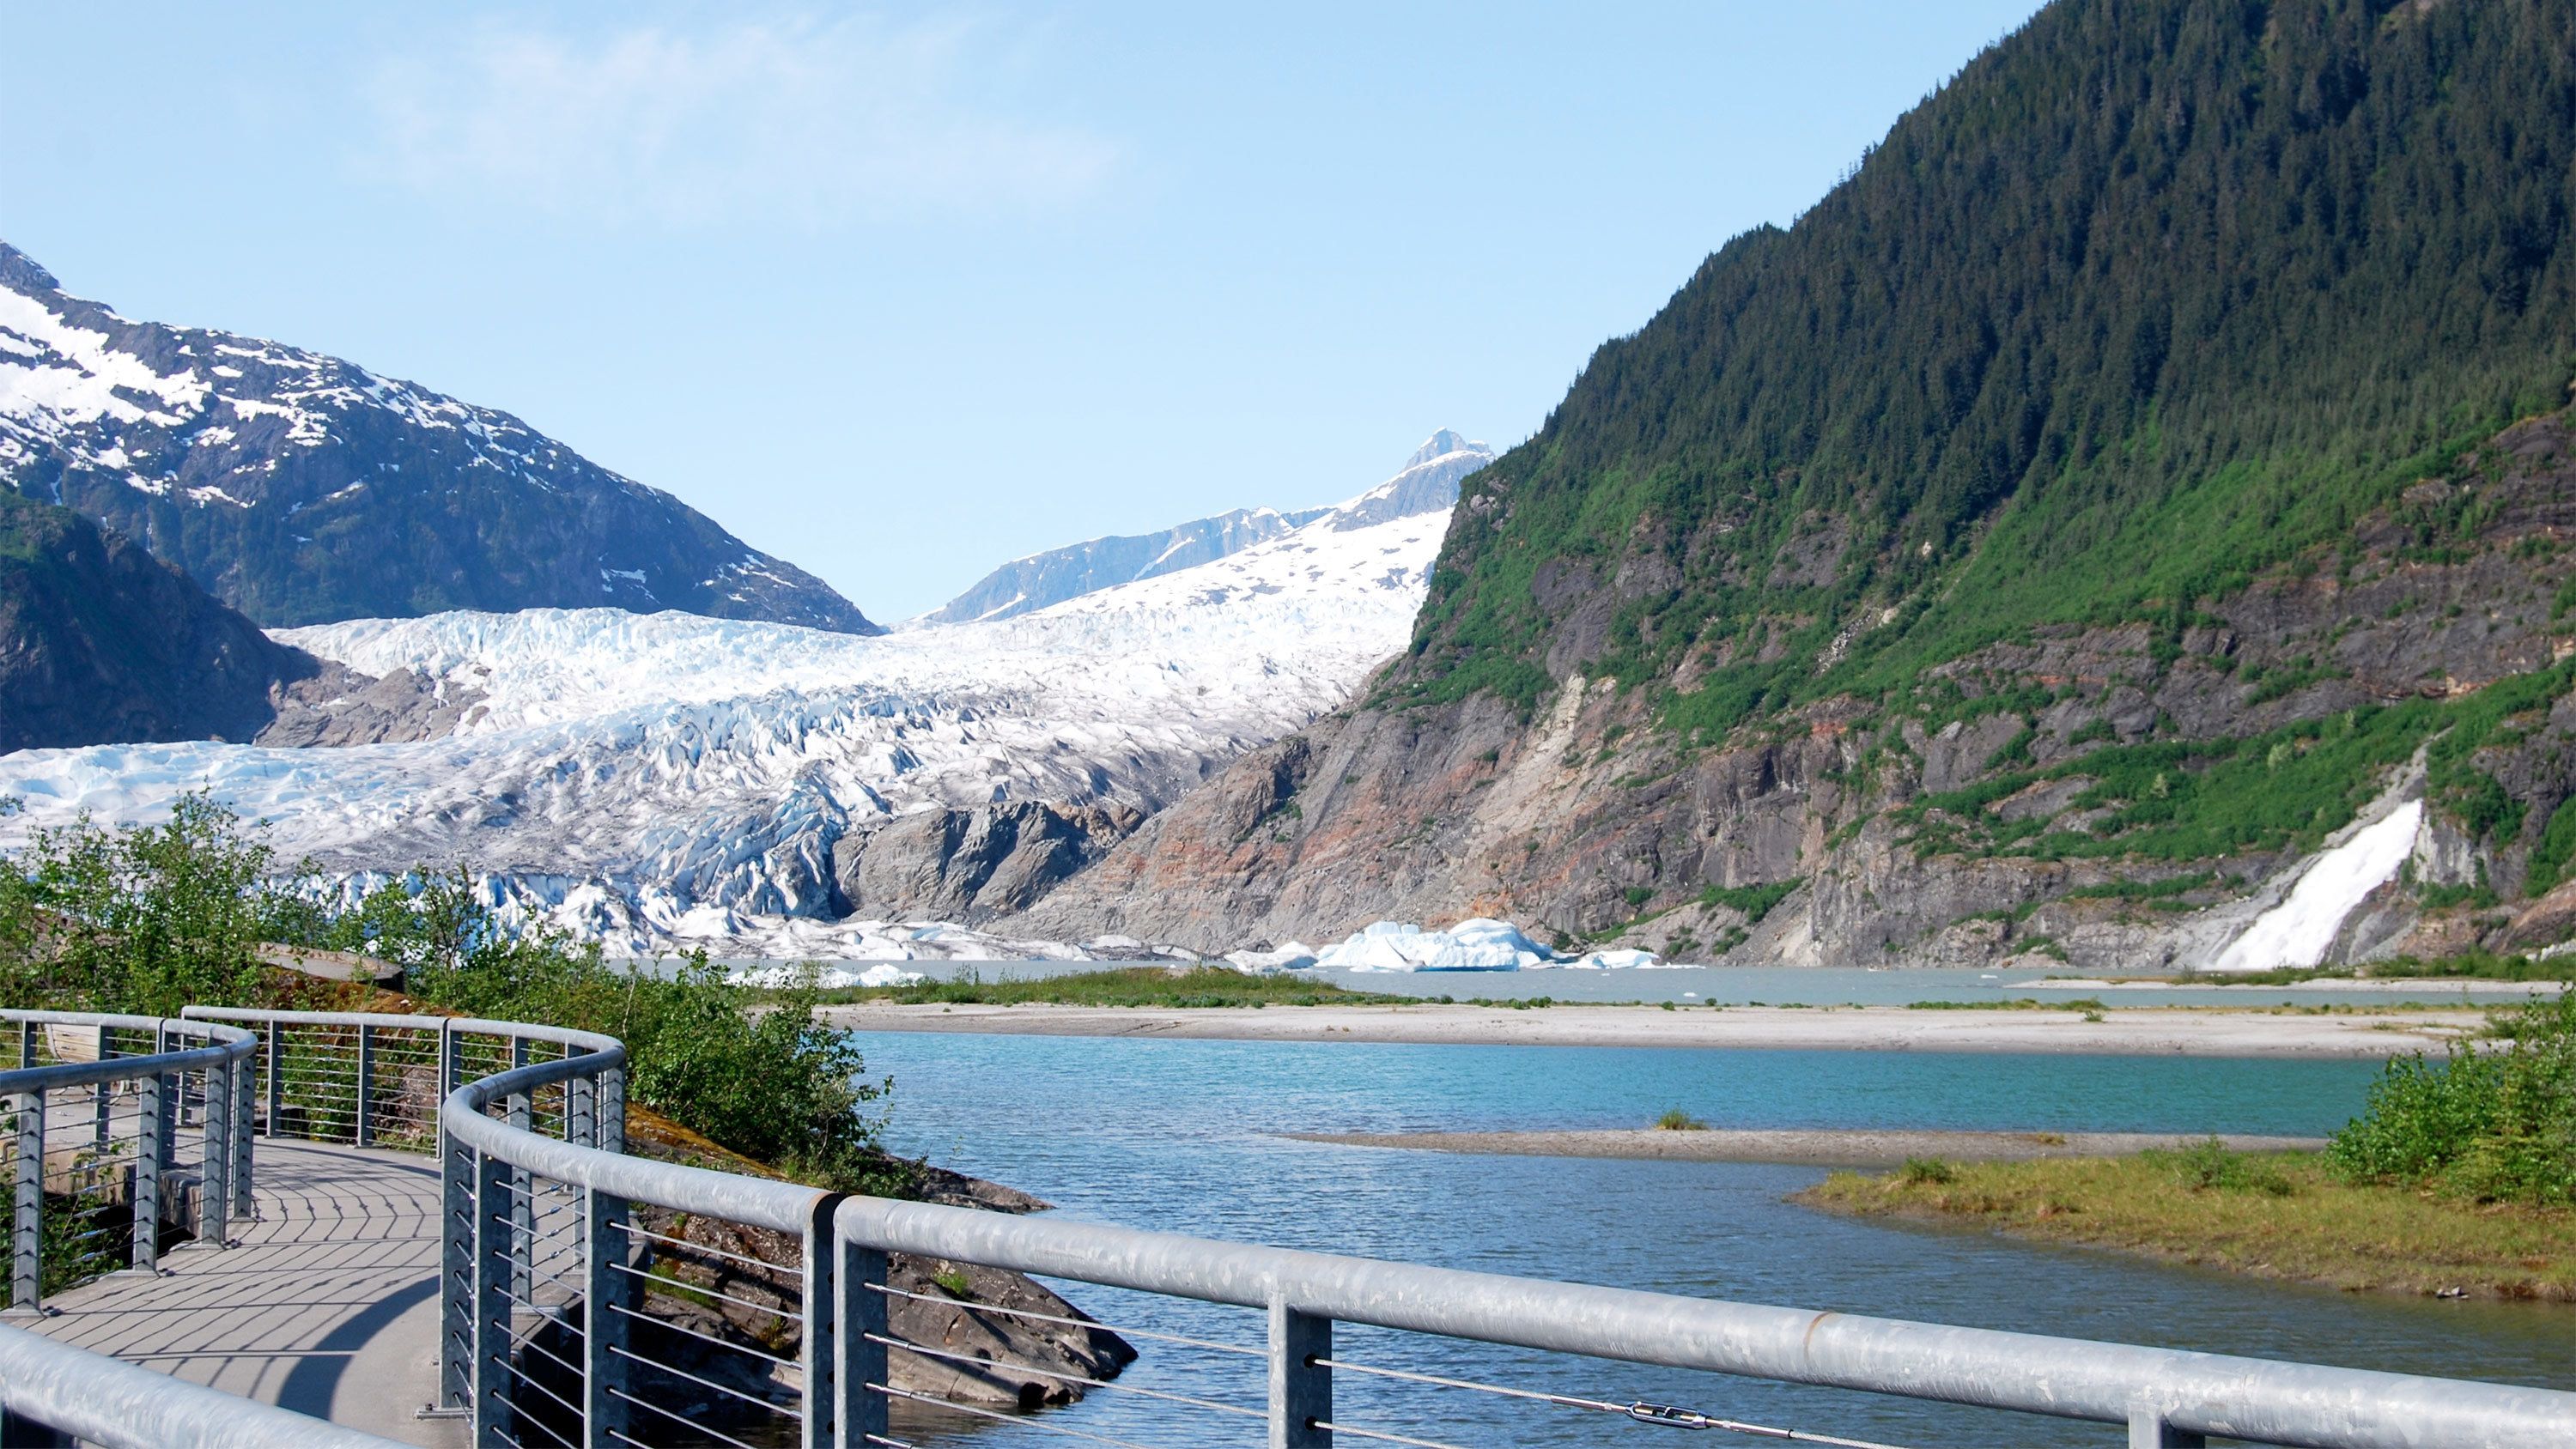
pixel 2144 1031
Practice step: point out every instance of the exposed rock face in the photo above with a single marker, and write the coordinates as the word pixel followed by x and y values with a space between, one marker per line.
pixel 300 488
pixel 100 643
pixel 973 865
pixel 1588 816
pixel 339 706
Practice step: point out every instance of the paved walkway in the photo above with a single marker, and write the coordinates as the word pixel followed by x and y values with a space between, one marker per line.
pixel 328 1306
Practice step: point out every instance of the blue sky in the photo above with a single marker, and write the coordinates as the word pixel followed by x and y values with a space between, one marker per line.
pixel 900 293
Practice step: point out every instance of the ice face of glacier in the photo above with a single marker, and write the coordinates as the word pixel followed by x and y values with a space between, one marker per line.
pixel 662 780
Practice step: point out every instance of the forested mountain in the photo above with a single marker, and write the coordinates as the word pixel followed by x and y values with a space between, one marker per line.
pixel 99 642
pixel 301 489
pixel 2095 495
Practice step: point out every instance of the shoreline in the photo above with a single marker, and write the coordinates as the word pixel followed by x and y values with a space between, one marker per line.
pixel 1818 1147
pixel 2347 1034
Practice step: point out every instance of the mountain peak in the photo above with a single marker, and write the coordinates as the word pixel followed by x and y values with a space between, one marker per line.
pixel 1440 445
pixel 19 272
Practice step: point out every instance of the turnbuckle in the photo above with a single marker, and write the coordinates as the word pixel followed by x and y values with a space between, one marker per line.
pixel 1670 1416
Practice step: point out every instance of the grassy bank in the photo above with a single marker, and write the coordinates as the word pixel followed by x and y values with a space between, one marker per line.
pixel 2285 1215
pixel 1201 986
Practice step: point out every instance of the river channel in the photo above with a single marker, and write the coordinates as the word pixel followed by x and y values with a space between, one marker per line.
pixel 1184 1136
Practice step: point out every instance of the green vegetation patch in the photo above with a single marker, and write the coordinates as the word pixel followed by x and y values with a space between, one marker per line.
pixel 2290 787
pixel 2274 1215
pixel 1193 987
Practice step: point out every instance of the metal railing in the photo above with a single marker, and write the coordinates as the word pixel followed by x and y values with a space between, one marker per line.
pixel 113 1128
pixel 591 1297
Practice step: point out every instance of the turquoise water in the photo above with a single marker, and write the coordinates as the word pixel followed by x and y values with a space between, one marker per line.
pixel 1182 1136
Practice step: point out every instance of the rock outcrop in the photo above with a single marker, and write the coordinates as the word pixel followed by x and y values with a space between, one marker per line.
pixel 1595 824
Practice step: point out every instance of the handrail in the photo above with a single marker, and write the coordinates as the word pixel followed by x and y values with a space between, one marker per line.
pixel 101 1400
pixel 498 1170
pixel 2262 1400
pixel 783 1207
pixel 223 1183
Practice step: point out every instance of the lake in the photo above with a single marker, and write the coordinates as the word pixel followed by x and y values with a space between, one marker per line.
pixel 1183 1136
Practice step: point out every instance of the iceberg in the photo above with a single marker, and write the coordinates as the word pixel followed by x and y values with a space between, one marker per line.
pixel 1295 956
pixel 833 978
pixel 1479 944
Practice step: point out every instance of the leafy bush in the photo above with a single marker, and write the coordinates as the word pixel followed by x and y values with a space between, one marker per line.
pixel 2492 1126
pixel 1674 1119
pixel 150 918
pixel 143 920
pixel 1927 1169
pixel 2209 1166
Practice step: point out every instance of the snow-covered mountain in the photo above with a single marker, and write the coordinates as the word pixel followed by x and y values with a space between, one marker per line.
pixel 299 488
pixel 1428 483
pixel 1026 585
pixel 659 780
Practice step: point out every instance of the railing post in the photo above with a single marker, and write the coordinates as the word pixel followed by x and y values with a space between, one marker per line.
pixel 105 1094
pixel 581 1125
pixel 606 1289
pixel 1301 1390
pixel 214 1193
pixel 493 1236
pixel 456 1268
pixel 612 1110
pixel 27 1221
pixel 816 1357
pixel 523 1212
pixel 148 1151
pixel 859 1320
pixel 366 1085
pixel 26 1044
pixel 447 1074
pixel 245 1096
pixel 276 1055
pixel 2149 1430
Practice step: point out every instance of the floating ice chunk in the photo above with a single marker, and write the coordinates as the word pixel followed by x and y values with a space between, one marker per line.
pixel 1295 956
pixel 1614 961
pixel 832 978
pixel 1479 944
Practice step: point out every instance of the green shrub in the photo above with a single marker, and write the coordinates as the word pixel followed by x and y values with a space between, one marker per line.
pixel 151 918
pixel 1927 1169
pixel 2209 1166
pixel 1675 1119
pixel 2492 1126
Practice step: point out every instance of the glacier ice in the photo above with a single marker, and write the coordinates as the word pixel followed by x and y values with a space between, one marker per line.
pixel 1476 944
pixel 663 781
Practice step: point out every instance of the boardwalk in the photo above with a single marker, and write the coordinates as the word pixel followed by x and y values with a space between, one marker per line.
pixel 328 1306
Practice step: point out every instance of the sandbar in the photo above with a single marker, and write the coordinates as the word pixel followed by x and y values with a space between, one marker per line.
pixel 2363 1034
pixel 1817 1147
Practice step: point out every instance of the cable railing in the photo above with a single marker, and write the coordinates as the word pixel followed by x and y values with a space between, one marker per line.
pixel 116 1133
pixel 592 1297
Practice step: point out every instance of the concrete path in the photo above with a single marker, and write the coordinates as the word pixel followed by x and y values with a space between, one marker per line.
pixel 328 1306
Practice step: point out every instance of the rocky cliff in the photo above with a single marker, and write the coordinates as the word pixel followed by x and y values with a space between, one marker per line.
pixel 100 643
pixel 301 489
pixel 2097 511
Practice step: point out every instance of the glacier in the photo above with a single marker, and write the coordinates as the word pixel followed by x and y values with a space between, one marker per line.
pixel 663 781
